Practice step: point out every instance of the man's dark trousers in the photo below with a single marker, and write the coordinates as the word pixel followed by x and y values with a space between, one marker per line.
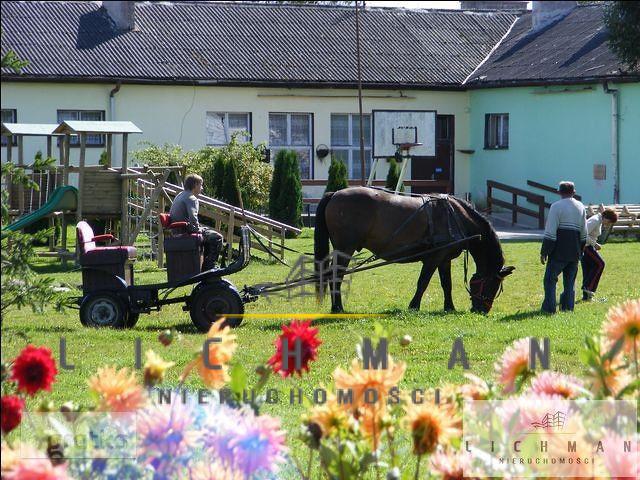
pixel 212 241
pixel 569 271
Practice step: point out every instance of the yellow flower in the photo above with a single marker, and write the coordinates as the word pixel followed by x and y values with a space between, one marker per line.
pixel 214 471
pixel 329 417
pixel 430 425
pixel 154 368
pixel 219 353
pixel 364 382
pixel 623 321
pixel 119 391
pixel 373 421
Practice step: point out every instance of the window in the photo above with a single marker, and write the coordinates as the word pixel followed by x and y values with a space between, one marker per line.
pixel 496 130
pixel 86 116
pixel 293 131
pixel 222 125
pixel 345 142
pixel 9 115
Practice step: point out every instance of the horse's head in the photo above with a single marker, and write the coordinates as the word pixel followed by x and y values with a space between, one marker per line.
pixel 484 290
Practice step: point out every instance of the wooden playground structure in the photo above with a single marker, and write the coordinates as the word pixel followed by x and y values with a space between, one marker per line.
pixel 128 199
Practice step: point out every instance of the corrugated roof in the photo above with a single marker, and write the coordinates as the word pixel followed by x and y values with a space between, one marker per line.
pixel 240 43
pixel 29 129
pixel 76 127
pixel 571 48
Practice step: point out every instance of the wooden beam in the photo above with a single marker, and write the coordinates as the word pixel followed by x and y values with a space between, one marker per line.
pixel 21 164
pixel 109 140
pixel 83 153
pixel 65 163
pixel 230 226
pixel 124 214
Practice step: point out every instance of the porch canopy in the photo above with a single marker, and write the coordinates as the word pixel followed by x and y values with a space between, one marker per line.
pixel 29 129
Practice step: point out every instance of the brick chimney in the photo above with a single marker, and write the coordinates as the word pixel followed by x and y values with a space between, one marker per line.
pixel 493 5
pixel 545 12
pixel 123 14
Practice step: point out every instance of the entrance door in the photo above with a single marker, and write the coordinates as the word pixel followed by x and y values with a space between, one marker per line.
pixel 439 170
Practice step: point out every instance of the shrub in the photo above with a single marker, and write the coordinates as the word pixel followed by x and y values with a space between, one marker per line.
pixel 337 176
pixel 285 198
pixel 217 180
pixel 393 175
pixel 230 187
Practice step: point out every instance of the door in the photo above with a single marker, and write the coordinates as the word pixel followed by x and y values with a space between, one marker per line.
pixel 438 170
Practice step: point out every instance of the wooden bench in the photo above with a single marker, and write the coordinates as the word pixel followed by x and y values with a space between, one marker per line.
pixel 628 217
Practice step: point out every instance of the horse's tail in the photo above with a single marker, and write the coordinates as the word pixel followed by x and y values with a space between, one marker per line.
pixel 321 245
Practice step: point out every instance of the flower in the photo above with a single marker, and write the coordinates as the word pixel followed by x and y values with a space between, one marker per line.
pixel 623 321
pixel 154 368
pixel 27 463
pixel 329 417
pixel 244 442
pixel 34 369
pixel 220 348
pixel 372 423
pixel 364 382
pixel 296 331
pixel 11 412
pixel 476 389
pixel 611 376
pixel 119 390
pixel 449 465
pixel 166 437
pixel 554 383
pixel 430 425
pixel 513 364
pixel 213 471
pixel 617 460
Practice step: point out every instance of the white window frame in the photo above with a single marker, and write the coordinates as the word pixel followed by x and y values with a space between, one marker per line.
pixel 353 151
pixel 225 123
pixel 288 144
pixel 74 141
pixel 498 130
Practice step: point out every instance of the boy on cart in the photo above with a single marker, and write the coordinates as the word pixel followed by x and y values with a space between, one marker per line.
pixel 185 209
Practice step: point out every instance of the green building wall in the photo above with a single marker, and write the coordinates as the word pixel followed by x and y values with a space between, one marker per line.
pixel 558 133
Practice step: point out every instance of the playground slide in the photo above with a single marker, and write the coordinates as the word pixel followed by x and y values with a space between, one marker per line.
pixel 61 199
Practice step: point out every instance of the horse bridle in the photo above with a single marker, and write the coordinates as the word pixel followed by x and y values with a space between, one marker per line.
pixel 486 300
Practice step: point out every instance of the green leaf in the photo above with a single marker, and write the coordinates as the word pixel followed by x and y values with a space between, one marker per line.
pixel 238 381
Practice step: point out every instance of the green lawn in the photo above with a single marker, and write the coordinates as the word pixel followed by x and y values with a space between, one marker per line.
pixel 384 292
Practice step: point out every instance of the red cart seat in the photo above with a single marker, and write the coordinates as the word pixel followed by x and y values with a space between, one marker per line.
pixel 177 228
pixel 91 254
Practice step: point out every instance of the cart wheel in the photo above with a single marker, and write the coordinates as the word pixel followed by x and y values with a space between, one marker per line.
pixel 103 310
pixel 211 302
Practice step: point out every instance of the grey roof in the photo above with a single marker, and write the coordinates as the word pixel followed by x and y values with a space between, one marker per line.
pixel 573 48
pixel 75 127
pixel 242 43
pixel 28 129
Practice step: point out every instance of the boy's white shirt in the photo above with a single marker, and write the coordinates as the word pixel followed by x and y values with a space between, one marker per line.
pixel 594 229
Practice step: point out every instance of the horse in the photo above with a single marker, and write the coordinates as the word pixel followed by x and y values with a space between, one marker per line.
pixel 405 229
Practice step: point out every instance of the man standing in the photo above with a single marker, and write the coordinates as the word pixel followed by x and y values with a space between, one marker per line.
pixel 185 208
pixel 565 235
pixel 592 262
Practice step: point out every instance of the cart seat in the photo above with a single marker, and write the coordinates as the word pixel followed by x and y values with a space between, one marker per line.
pixel 104 262
pixel 183 249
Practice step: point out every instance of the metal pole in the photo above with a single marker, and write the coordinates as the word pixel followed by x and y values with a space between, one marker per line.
pixel 359 67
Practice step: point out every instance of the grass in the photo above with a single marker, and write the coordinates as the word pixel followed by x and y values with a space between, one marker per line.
pixel 383 292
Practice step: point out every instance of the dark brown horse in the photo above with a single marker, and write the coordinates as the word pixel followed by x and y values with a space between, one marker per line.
pixel 401 228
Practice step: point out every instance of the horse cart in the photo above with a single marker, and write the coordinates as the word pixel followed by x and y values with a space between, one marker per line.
pixel 110 297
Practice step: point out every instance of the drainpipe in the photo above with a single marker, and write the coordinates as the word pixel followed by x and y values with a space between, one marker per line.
pixel 112 101
pixel 615 158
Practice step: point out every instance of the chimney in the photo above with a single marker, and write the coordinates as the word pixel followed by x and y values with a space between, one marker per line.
pixel 545 12
pixel 123 14
pixel 493 5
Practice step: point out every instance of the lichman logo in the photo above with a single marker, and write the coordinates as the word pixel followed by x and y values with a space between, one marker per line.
pixel 536 437
pixel 551 421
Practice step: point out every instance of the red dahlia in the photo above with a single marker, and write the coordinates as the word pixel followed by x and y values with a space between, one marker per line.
pixel 11 414
pixel 34 369
pixel 308 337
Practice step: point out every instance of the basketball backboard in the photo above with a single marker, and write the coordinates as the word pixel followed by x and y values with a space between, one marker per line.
pixel 392 128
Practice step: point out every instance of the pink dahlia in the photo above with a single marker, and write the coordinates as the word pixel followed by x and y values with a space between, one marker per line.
pixel 513 364
pixel 554 383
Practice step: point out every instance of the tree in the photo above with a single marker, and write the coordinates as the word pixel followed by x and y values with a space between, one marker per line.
pixel 337 176
pixel 623 22
pixel 217 182
pixel 230 187
pixel 285 197
pixel 393 175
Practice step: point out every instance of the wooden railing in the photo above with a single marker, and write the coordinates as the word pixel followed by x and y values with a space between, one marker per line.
pixel 513 205
pixel 549 189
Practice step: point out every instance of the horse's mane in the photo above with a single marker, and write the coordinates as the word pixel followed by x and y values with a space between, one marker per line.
pixel 489 233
